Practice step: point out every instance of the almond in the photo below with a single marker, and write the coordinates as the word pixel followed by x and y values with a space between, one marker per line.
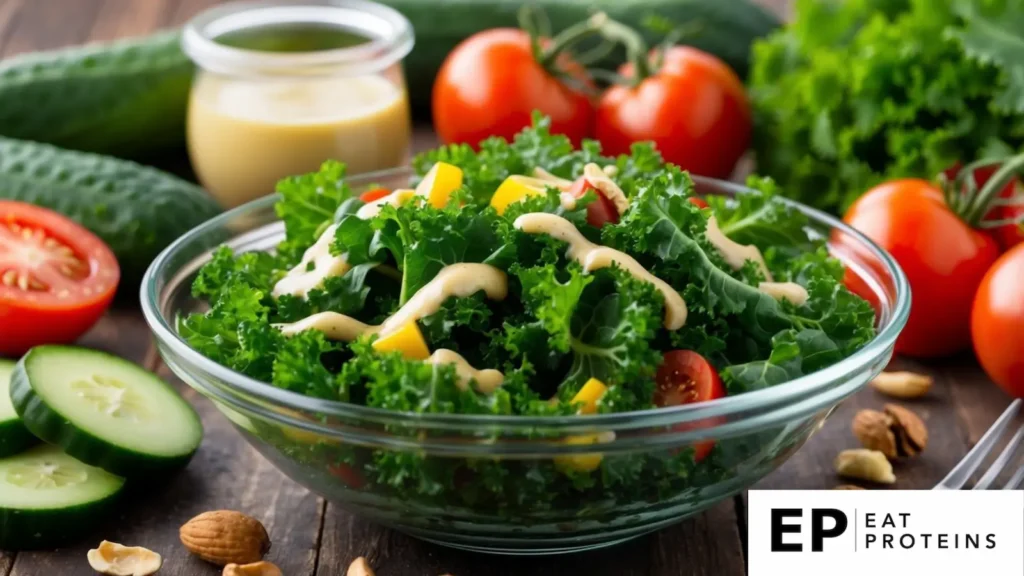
pixel 864 464
pixel 908 429
pixel 874 430
pixel 254 569
pixel 360 567
pixel 224 537
pixel 904 385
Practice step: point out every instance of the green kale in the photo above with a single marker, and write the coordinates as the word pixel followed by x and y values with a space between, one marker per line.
pixel 307 203
pixel 853 93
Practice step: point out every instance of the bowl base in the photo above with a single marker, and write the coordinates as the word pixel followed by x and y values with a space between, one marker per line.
pixel 504 551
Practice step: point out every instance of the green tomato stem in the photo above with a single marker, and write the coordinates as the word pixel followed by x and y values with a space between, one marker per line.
pixel 548 57
pixel 979 205
pixel 636 48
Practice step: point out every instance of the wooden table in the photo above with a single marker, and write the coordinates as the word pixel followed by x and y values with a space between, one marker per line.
pixel 312 537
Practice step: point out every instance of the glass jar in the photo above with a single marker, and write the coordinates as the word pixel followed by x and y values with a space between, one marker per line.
pixel 283 85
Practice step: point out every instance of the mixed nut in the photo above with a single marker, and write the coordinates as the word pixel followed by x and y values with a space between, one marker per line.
pixel 894 432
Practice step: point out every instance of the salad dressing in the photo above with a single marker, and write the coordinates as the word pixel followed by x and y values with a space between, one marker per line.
pixel 317 265
pixel 396 199
pixel 594 256
pixel 734 253
pixel 795 293
pixel 487 381
pixel 600 179
pixel 456 280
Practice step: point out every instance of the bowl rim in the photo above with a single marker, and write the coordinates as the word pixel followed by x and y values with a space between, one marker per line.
pixel 780 394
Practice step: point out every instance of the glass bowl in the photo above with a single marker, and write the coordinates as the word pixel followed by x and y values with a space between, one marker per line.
pixel 500 484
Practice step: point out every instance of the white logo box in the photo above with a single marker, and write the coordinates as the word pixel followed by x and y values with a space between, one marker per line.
pixel 902 533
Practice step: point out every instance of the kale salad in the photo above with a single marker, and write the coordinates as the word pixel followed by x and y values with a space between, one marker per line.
pixel 528 278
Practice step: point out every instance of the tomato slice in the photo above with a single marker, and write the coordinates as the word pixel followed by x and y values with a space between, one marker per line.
pixel 600 212
pixel 56 278
pixel 374 194
pixel 698 202
pixel 348 475
pixel 686 377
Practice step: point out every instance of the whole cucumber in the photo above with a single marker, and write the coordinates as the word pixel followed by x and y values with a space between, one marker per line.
pixel 725 28
pixel 125 98
pixel 135 210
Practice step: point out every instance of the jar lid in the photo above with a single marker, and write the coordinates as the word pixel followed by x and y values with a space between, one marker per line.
pixel 389 34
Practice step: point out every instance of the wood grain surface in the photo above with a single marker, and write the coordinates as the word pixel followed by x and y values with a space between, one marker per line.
pixel 311 537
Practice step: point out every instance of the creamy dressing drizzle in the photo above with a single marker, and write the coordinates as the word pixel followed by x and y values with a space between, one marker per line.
pixel 600 179
pixel 568 201
pixel 548 177
pixel 459 280
pixel 795 293
pixel 594 256
pixel 396 199
pixel 301 279
pixel 487 381
pixel 734 253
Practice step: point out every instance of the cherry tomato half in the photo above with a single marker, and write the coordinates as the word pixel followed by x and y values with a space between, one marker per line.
pixel 693 108
pixel 374 194
pixel 599 212
pixel 491 84
pixel 56 278
pixel 997 322
pixel 686 377
pixel 944 260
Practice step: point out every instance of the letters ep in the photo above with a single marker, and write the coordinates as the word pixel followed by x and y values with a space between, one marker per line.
pixel 780 527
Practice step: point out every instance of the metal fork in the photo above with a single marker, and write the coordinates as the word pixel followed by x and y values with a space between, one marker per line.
pixel 963 471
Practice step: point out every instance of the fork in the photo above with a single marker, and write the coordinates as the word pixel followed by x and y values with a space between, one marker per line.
pixel 963 471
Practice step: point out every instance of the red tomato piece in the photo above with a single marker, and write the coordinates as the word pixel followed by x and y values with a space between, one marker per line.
pixel 698 202
pixel 944 260
pixel 599 212
pixel 693 108
pixel 374 194
pixel 686 377
pixel 491 84
pixel 56 278
pixel 348 475
pixel 997 322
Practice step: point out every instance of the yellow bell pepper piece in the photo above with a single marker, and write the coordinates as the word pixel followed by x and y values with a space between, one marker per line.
pixel 580 462
pixel 439 183
pixel 515 189
pixel 408 340
pixel 589 395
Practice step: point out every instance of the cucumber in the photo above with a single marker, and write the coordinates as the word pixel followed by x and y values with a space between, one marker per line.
pixel 135 210
pixel 14 437
pixel 125 98
pixel 104 411
pixel 48 498
pixel 727 28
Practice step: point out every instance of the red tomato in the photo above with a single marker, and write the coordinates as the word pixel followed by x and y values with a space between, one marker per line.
pixel 1008 235
pixel 1011 234
pixel 694 109
pixel 348 475
pixel 685 377
pixel 599 212
pixel 944 260
pixel 374 194
pixel 997 322
pixel 491 84
pixel 56 278
pixel 698 202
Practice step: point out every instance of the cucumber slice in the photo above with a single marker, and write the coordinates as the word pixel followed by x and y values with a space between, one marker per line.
pixel 14 437
pixel 104 411
pixel 48 498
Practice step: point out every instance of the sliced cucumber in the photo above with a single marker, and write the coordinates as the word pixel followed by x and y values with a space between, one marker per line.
pixel 48 498
pixel 104 411
pixel 14 437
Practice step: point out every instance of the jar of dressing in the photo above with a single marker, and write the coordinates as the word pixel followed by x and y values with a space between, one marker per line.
pixel 281 86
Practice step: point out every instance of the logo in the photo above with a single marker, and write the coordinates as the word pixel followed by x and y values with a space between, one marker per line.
pixel 885 532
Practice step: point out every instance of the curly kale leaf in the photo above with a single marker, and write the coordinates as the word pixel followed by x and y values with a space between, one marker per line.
pixel 258 270
pixel 307 203
pixel 345 294
pixel 299 367
pixel 394 383
pixel 850 94
pixel 760 219
pixel 794 354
